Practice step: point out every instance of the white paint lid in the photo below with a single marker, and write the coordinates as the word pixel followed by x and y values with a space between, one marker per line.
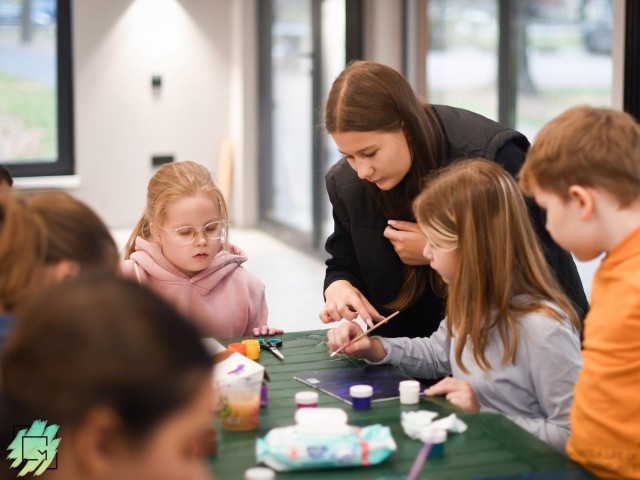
pixel 259 473
pixel 409 386
pixel 361 391
pixel 306 397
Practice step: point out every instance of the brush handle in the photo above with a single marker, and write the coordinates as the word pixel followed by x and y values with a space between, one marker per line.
pixel 367 332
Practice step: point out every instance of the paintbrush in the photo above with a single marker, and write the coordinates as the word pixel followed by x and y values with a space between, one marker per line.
pixel 367 332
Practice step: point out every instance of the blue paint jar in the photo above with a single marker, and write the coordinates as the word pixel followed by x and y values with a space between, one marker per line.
pixel 361 396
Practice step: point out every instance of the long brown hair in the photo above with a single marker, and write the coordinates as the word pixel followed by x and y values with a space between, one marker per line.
pixel 368 97
pixel 41 229
pixel 476 207
pixel 170 183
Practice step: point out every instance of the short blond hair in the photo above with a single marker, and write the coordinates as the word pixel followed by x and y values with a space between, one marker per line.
pixel 169 184
pixel 587 146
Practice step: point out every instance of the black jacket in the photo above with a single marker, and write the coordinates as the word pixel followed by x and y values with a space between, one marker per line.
pixel 360 254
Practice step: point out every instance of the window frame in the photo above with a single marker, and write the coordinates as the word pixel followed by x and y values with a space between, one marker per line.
pixel 65 163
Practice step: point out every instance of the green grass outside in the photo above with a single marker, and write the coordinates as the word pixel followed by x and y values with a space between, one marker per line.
pixel 36 106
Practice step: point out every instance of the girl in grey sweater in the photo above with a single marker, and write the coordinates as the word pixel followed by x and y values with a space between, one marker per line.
pixel 510 341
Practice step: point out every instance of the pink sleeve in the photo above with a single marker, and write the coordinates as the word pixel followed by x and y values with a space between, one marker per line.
pixel 258 311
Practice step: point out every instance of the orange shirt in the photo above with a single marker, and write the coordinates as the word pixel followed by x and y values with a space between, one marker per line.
pixel 605 417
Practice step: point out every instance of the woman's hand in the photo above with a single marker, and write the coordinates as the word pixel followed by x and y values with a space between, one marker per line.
pixel 368 348
pixel 343 300
pixel 266 330
pixel 458 392
pixel 408 241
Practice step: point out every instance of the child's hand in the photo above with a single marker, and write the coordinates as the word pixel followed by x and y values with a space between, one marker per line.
pixel 458 392
pixel 368 348
pixel 266 330
pixel 342 335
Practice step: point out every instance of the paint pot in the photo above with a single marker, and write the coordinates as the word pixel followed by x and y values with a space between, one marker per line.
pixel 259 473
pixel 409 392
pixel 253 349
pixel 361 396
pixel 306 399
pixel 238 347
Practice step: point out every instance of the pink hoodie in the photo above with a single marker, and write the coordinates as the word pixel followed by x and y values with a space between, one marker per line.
pixel 223 300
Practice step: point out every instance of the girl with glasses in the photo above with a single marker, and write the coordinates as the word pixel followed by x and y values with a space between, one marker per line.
pixel 180 249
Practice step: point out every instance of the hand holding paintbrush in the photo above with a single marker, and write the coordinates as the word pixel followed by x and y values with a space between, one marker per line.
pixel 366 332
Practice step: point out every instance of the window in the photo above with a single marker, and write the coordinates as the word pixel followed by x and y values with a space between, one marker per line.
pixel 303 48
pixel 36 124
pixel 521 63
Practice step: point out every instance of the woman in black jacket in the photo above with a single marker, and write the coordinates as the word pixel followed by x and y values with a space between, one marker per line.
pixel 391 141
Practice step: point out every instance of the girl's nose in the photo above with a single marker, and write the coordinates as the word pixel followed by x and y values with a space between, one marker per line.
pixel 201 238
pixel 364 170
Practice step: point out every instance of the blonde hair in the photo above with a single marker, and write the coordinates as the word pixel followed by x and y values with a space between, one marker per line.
pixel 587 146
pixel 41 229
pixel 170 183
pixel 475 206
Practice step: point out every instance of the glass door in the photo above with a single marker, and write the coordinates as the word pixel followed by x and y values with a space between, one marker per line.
pixel 302 50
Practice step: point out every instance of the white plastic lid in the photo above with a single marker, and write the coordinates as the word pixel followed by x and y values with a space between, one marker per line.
pixel 259 473
pixel 306 397
pixel 361 391
pixel 410 385
pixel 433 435
pixel 321 420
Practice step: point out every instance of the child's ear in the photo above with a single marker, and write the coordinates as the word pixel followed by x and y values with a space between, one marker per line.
pixel 63 270
pixel 584 200
pixel 99 443
pixel 155 234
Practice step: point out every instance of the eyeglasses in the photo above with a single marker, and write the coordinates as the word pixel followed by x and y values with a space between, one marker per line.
pixel 187 234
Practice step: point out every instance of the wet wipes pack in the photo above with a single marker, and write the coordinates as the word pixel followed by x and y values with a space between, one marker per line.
pixel 321 438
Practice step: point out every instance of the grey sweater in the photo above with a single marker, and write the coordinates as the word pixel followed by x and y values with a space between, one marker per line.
pixel 536 391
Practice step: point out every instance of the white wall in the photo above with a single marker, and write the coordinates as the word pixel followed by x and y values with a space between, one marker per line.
pixel 120 121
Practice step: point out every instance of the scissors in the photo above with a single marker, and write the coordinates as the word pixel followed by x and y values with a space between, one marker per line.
pixel 272 345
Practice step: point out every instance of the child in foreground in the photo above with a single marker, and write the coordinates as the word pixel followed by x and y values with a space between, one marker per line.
pixel 180 249
pixel 510 335
pixel 584 170
pixel 126 379
pixel 47 237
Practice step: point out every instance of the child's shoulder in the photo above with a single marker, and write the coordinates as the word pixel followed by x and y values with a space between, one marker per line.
pixel 544 319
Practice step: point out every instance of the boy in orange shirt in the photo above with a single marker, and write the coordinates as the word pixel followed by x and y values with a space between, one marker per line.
pixel 584 170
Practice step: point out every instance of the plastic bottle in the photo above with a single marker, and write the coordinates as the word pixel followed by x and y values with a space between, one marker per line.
pixel 409 392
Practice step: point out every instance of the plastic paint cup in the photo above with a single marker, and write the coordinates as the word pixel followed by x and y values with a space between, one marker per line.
pixel 241 402
pixel 361 396
pixel 253 349
pixel 306 399
pixel 238 347
pixel 409 392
